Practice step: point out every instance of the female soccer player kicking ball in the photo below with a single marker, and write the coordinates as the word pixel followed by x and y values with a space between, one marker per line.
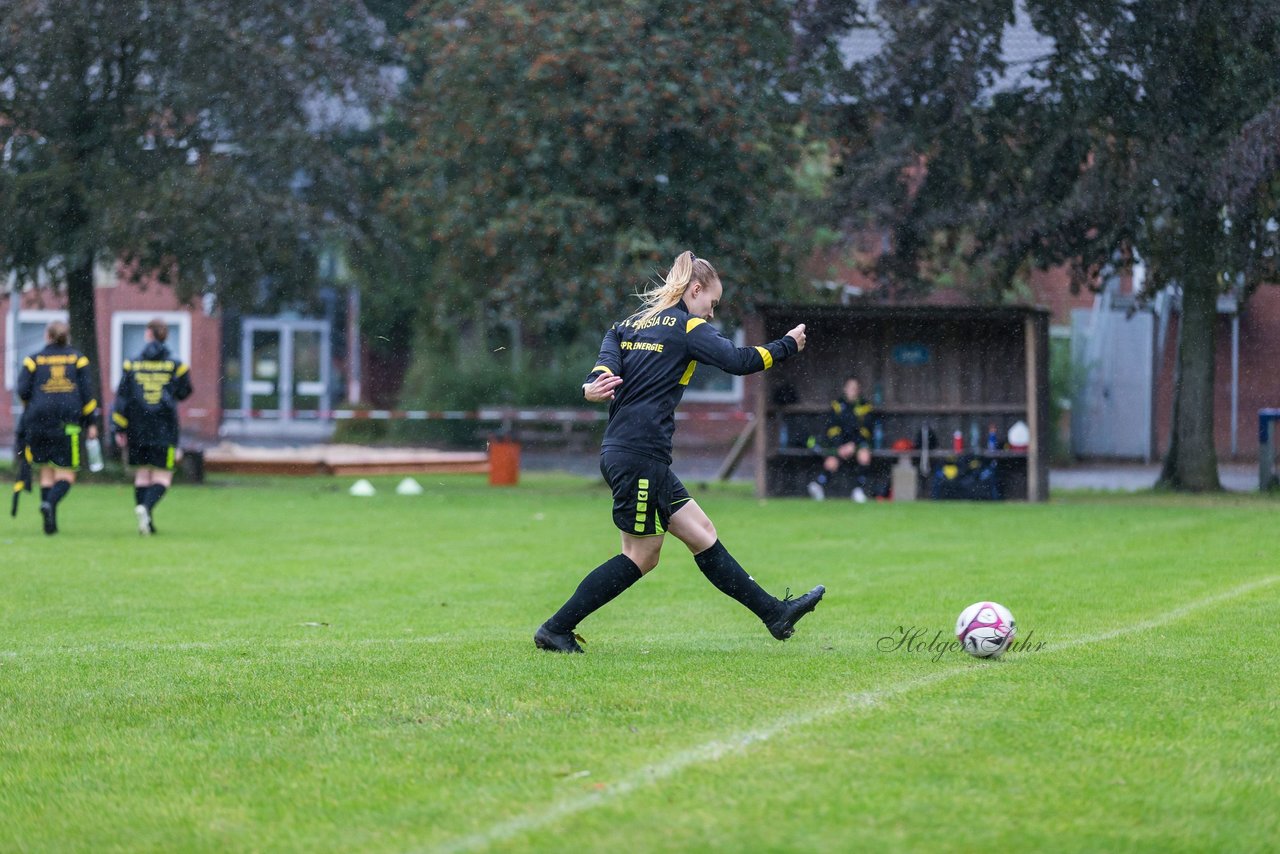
pixel 645 363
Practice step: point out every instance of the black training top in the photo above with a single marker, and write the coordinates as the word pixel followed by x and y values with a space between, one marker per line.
pixel 147 400
pixel 846 422
pixel 57 387
pixel 656 361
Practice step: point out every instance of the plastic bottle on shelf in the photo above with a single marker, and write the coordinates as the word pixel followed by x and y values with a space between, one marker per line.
pixel 993 440
pixel 877 436
pixel 957 441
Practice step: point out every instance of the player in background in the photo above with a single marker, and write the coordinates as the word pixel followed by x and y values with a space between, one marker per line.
pixel 644 366
pixel 56 384
pixel 845 441
pixel 144 418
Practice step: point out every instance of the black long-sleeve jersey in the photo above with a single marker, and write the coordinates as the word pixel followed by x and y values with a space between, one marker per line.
pixel 57 387
pixel 146 404
pixel 656 360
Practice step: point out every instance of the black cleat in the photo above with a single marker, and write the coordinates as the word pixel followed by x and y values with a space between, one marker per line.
pixel 551 641
pixel 50 519
pixel 783 624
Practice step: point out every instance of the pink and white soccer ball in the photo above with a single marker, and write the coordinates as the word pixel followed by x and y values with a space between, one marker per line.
pixel 985 629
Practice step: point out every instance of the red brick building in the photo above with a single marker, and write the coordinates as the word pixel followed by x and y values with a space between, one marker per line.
pixel 123 310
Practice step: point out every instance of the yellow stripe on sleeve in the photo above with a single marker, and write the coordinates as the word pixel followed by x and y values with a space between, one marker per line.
pixel 89 407
pixel 182 369
pixel 82 362
pixel 767 356
pixel 601 368
pixel 694 323
pixel 119 419
pixel 30 364
pixel 688 373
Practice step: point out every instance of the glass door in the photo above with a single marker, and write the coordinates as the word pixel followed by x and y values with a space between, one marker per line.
pixel 285 369
pixel 261 371
pixel 309 374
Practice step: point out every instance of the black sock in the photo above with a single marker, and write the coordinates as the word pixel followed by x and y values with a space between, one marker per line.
pixel 58 491
pixel 139 494
pixel 732 580
pixel 151 497
pixel 44 494
pixel 600 586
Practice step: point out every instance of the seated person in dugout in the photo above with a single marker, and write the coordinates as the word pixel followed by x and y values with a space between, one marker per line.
pixel 846 441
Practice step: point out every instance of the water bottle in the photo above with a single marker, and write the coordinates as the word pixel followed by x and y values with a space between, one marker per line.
pixel 993 440
pixel 94 450
pixel 877 436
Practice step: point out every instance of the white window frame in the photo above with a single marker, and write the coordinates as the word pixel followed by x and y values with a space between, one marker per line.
pixel 733 395
pixel 176 319
pixel 43 316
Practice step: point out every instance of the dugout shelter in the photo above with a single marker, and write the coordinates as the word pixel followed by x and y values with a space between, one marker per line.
pixel 931 372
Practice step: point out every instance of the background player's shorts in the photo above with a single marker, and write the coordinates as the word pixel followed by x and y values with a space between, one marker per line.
pixel 61 449
pixel 645 492
pixel 160 456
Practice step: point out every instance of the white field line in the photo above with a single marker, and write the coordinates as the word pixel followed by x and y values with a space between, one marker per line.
pixel 713 751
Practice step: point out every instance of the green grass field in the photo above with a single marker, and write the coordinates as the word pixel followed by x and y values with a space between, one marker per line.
pixel 288 668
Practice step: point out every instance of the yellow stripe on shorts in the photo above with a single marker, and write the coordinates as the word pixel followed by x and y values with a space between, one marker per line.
pixel 642 503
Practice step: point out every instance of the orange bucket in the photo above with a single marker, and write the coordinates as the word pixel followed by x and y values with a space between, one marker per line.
pixel 504 462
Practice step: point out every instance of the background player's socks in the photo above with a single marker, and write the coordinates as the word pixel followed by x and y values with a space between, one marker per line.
pixel 58 491
pixel 731 579
pixel 151 497
pixel 600 586
pixel 139 495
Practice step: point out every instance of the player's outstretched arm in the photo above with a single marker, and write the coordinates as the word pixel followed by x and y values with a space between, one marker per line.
pixel 707 345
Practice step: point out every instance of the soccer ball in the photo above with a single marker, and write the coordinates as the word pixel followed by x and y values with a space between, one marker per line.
pixel 985 629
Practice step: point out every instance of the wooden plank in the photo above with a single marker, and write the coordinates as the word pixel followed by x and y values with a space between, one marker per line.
pixel 736 453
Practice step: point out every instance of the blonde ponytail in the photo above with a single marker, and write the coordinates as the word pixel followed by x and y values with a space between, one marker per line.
pixel 687 269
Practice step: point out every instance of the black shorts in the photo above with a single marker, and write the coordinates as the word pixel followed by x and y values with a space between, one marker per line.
pixel 645 492
pixel 160 456
pixel 61 449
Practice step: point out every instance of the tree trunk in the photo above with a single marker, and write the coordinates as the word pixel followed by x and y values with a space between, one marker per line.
pixel 83 312
pixel 1191 464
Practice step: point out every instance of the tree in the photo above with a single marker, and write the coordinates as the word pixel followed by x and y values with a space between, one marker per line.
pixel 1149 127
pixel 564 152
pixel 198 143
